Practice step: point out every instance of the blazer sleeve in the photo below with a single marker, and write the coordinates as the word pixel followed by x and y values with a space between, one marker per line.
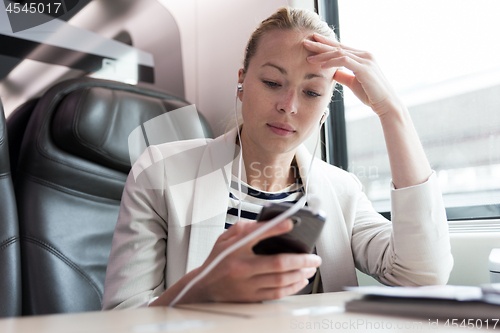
pixel 135 271
pixel 414 249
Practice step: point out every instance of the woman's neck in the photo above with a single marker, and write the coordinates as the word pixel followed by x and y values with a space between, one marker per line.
pixel 267 171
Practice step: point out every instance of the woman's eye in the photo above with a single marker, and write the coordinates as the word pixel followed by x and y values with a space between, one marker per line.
pixel 312 93
pixel 271 84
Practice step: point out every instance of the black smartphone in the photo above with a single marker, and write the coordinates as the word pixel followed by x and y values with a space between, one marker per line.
pixel 307 227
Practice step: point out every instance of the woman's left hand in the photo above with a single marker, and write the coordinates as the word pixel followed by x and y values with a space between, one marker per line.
pixel 409 165
pixel 368 83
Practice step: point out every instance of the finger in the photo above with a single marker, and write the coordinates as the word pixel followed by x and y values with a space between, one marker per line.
pixel 283 279
pixel 277 293
pixel 333 43
pixel 318 47
pixel 234 230
pixel 338 53
pixel 345 61
pixel 284 262
pixel 326 40
pixel 281 228
pixel 344 78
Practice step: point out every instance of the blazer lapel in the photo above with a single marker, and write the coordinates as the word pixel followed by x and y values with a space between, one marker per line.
pixel 211 197
pixel 333 246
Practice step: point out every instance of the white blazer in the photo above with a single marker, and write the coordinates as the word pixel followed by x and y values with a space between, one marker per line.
pixel 174 208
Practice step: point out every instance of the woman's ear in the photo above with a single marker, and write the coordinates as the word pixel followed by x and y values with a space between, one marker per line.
pixel 241 75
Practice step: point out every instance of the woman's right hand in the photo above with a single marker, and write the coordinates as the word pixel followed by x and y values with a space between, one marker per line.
pixel 244 276
pixel 247 277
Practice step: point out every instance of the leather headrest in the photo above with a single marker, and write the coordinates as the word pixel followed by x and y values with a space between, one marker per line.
pixel 95 123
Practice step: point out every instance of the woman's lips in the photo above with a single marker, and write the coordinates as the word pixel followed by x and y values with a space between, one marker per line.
pixel 281 129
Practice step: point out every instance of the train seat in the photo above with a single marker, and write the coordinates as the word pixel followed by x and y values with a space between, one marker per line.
pixel 10 256
pixel 73 163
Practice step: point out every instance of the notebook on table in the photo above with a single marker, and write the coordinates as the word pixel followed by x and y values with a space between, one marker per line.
pixel 432 302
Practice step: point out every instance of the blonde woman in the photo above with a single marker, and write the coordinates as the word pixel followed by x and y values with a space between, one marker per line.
pixel 165 237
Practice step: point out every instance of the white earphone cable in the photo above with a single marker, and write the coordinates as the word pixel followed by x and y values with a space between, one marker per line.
pixel 312 159
pixel 241 150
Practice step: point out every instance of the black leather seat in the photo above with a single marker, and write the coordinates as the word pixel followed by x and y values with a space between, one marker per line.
pixel 10 256
pixel 16 125
pixel 73 163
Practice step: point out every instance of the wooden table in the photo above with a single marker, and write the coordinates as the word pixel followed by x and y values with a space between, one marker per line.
pixel 155 319
pixel 306 313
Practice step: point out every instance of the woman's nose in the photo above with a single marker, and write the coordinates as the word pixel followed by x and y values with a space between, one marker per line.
pixel 288 101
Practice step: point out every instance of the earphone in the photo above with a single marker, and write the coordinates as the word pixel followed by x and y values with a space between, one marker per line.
pixel 313 201
pixel 323 118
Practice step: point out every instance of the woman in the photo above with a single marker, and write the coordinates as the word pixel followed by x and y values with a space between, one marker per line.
pixel 166 236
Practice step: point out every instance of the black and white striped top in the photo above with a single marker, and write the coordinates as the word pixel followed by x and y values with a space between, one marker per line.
pixel 252 202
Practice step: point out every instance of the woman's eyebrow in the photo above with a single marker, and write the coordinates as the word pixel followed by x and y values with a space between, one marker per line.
pixel 312 76
pixel 283 71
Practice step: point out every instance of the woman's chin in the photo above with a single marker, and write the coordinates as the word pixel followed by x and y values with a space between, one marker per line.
pixel 276 147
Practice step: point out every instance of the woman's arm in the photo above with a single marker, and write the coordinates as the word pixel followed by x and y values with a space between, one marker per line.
pixel 409 165
pixel 135 271
pixel 415 248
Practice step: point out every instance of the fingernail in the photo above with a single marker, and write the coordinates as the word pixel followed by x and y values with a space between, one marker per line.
pixel 310 57
pixel 315 259
pixel 287 225
pixel 307 41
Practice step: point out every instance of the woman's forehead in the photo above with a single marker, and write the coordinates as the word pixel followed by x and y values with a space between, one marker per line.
pixel 286 49
pixel 284 41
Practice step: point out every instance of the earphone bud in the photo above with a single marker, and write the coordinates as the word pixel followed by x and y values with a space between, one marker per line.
pixel 239 86
pixel 323 118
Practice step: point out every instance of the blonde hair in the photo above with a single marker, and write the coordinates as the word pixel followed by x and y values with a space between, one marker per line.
pixel 286 18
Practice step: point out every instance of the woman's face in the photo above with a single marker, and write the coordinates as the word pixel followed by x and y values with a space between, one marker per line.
pixel 284 96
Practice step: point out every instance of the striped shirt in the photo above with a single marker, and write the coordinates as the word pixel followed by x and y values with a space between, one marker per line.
pixel 252 202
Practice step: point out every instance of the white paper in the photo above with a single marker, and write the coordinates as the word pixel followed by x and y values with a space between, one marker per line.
pixel 459 293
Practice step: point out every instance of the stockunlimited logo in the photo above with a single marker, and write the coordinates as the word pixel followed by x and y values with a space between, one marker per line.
pixel 28 14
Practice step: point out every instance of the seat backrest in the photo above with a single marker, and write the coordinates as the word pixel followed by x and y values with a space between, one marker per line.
pixel 10 256
pixel 72 167
pixel 16 125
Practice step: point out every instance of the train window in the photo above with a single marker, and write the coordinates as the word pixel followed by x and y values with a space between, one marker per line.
pixel 442 58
